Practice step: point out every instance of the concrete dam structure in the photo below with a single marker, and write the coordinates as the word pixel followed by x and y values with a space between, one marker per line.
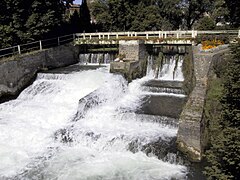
pixel 82 122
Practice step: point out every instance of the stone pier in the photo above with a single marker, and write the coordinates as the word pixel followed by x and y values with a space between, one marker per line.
pixel 190 137
pixel 132 61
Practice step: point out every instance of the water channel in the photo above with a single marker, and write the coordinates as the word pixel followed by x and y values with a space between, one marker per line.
pixel 47 133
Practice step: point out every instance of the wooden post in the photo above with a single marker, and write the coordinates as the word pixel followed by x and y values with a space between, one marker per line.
pixel 19 49
pixel 40 43
pixel 239 33
pixel 146 35
pixel 117 36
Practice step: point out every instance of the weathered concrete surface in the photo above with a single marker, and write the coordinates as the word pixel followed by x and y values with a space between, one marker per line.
pixel 17 72
pixel 163 105
pixel 135 63
pixel 190 137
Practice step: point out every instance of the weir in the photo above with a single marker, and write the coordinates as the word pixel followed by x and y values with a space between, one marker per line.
pixel 82 122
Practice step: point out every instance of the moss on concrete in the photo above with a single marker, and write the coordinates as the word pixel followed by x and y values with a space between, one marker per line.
pixel 188 71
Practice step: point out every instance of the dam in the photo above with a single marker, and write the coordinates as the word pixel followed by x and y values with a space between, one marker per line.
pixel 81 122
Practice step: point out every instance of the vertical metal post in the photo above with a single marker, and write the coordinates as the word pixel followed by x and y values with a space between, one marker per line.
pixel 58 41
pixel 146 35
pixel 159 34
pixel 19 49
pixel 108 36
pixel 239 33
pixel 177 35
pixel 117 36
pixel 193 34
pixel 165 35
pixel 40 44
pixel 99 36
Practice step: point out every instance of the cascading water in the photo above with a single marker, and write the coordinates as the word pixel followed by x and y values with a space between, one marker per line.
pixel 170 68
pixel 42 136
pixel 96 58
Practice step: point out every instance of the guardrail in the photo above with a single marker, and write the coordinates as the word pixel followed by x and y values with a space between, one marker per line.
pixel 37 45
pixel 155 34
pixel 47 43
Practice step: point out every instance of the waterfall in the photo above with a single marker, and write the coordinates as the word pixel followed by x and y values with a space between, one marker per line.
pixel 45 135
pixel 96 58
pixel 169 70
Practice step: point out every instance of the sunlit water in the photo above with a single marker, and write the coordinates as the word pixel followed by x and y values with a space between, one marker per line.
pixel 171 68
pixel 99 145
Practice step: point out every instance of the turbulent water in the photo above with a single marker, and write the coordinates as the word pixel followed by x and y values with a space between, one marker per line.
pixel 42 135
pixel 93 58
pixel 171 68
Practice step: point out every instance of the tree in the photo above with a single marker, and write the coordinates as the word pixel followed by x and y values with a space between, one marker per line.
pixel 85 18
pixel 22 21
pixel 223 156
pixel 205 23
pixel 193 10
pixel 234 12
pixel 75 23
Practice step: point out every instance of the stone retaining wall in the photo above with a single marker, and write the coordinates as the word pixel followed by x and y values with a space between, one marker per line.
pixel 17 72
pixel 190 138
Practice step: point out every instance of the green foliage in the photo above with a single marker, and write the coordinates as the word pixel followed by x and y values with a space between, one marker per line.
pixel 126 15
pixel 85 19
pixel 193 10
pixel 22 21
pixel 223 155
pixel 234 12
pixel 205 23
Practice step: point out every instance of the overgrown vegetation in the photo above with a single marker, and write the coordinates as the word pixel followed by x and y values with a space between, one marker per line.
pixel 142 15
pixel 222 111
pixel 26 21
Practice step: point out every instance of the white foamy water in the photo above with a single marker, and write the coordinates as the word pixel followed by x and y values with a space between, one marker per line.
pixel 93 58
pixel 171 69
pixel 27 123
pixel 106 143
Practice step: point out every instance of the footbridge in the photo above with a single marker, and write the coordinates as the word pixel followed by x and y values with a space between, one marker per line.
pixel 152 37
pixel 18 71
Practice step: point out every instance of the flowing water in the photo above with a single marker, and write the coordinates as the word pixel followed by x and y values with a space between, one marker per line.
pixel 45 135
pixel 96 58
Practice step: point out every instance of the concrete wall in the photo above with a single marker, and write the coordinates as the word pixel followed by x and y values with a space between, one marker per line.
pixel 17 72
pixel 190 138
pixel 134 63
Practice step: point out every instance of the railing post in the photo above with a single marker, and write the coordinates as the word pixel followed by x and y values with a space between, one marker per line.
pixel 58 41
pixel 146 35
pixel 194 34
pixel 239 33
pixel 108 36
pixel 19 49
pixel 117 36
pixel 40 44
pixel 165 35
pixel 99 36
pixel 74 36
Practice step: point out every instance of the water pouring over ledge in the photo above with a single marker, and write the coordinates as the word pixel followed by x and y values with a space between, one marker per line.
pixel 107 143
